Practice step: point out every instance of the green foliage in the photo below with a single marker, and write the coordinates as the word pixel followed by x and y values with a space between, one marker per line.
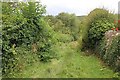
pixel 23 58
pixel 65 38
pixel 70 21
pixel 94 26
pixel 27 38
pixel 45 53
pixel 24 25
pixel 101 48
pixel 69 64
pixel 65 23
pixel 111 54
pixel 66 18
pixel 97 30
pixel 51 20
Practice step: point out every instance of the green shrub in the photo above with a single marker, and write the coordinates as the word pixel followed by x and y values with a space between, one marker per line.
pixel 24 25
pixel 97 31
pixel 101 48
pixel 23 57
pixel 111 54
pixel 94 26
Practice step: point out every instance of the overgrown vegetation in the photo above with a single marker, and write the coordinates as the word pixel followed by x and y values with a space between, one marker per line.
pixel 23 25
pixel 65 23
pixel 95 25
pixel 29 37
pixel 99 21
pixel 110 54
pixel 97 31
pixel 70 64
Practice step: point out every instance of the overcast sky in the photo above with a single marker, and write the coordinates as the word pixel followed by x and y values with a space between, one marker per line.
pixel 79 7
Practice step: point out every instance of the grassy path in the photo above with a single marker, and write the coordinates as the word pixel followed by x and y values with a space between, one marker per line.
pixel 70 64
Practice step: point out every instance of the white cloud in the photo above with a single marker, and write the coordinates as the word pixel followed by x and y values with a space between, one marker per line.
pixel 79 7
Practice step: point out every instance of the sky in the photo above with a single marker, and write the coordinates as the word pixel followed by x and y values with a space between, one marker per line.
pixel 78 7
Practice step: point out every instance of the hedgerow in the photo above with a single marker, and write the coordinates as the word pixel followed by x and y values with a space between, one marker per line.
pixel 94 26
pixel 110 54
pixel 97 31
pixel 24 25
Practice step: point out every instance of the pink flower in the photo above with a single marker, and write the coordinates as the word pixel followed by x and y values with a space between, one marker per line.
pixel 116 29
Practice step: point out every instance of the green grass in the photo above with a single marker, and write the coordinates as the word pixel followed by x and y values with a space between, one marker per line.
pixel 70 63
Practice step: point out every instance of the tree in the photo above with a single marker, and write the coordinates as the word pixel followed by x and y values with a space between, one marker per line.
pixel 71 22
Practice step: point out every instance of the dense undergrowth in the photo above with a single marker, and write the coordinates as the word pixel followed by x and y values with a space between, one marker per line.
pixel 70 63
pixel 29 36
pixel 110 54
pixel 95 25
pixel 23 25
pixel 99 21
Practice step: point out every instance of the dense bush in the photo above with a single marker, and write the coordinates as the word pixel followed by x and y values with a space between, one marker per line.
pixel 110 54
pixel 23 57
pixel 23 25
pixel 94 26
pixel 97 31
